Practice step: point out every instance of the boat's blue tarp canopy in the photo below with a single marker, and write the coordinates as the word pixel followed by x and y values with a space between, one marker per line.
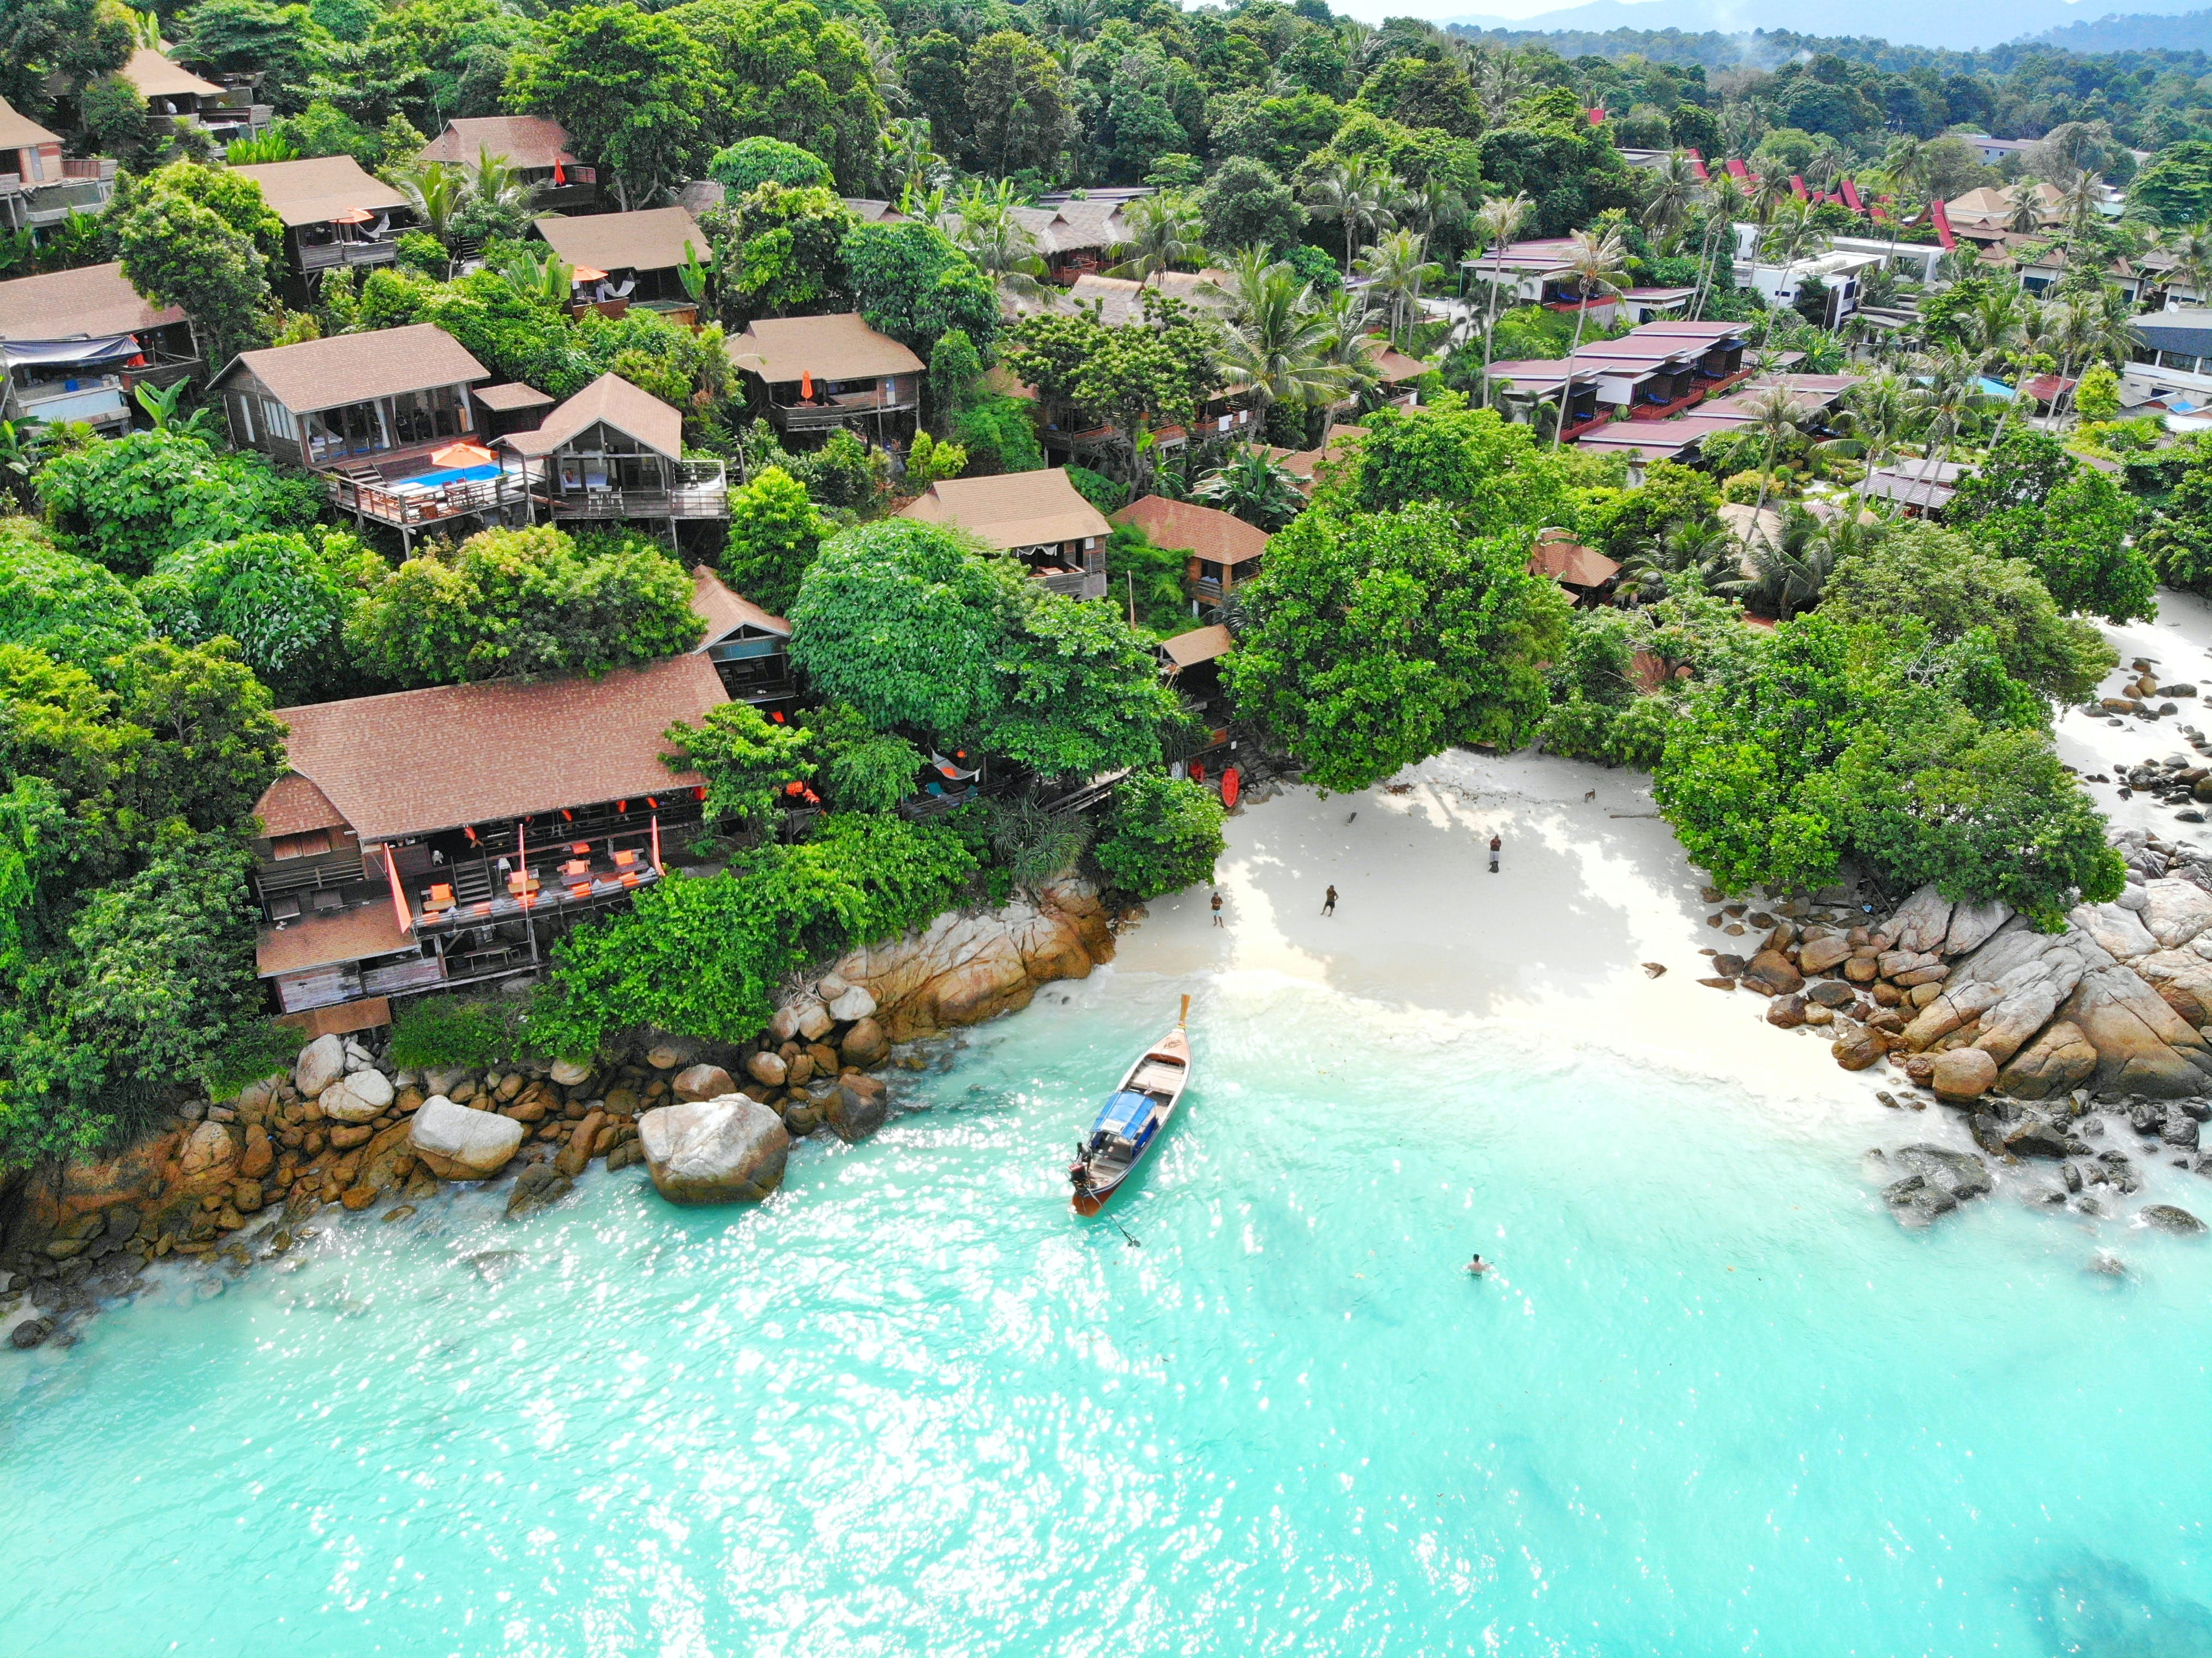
pixel 1124 1114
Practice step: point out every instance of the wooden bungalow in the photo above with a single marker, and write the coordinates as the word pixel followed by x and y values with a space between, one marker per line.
pixel 75 344
pixel 1191 664
pixel 1224 552
pixel 225 113
pixel 39 185
pixel 509 407
pixel 633 258
pixel 1922 487
pixel 443 837
pixel 535 146
pixel 816 373
pixel 335 212
pixel 382 417
pixel 750 648
pixel 1074 239
pixel 1585 572
pixel 615 452
pixel 1040 518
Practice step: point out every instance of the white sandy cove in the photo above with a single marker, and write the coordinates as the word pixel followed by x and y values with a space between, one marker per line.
pixel 1587 891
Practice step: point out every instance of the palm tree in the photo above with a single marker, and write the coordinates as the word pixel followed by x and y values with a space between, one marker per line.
pixel 1768 195
pixel 1878 413
pixel 1651 572
pixel 1499 221
pixel 1946 400
pixel 911 163
pixel 1396 267
pixel 534 271
pixel 1793 236
pixel 436 192
pixel 1828 162
pixel 2023 209
pixel 496 194
pixel 1253 486
pixel 1673 191
pixel 2189 255
pixel 1775 415
pixel 1788 571
pixel 2105 332
pixel 1718 240
pixel 1356 195
pixel 1165 234
pixel 1597 261
pixel 1277 338
pixel 983 226
pixel 1347 352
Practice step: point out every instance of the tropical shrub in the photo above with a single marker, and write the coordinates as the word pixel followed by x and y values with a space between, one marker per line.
pixel 1162 834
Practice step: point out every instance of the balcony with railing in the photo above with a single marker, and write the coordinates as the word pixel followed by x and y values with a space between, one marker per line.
pixel 331 255
pixel 403 487
pixel 94 399
pixel 836 409
pixel 691 489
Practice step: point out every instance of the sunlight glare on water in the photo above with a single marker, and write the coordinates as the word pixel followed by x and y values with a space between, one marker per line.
pixel 1713 1400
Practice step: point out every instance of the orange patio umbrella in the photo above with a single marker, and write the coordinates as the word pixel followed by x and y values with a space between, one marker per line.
pixel 352 215
pixel 583 273
pixel 462 454
pixel 805 384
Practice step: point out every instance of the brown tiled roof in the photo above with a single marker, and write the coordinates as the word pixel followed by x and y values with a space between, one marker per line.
pixel 416 761
pixel 318 190
pixel 1394 365
pixel 869 210
pixel 651 240
pixel 1561 557
pixel 372 929
pixel 610 398
pixel 512 395
pixel 527 140
pixel 92 301
pixel 1186 526
pixel 294 806
pixel 1199 644
pixel 19 132
pixel 155 76
pixel 725 611
pixel 355 368
pixel 1119 300
pixel 841 347
pixel 1073 225
pixel 1014 509
pixel 1301 463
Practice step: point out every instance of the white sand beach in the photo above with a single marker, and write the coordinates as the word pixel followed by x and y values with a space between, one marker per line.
pixel 2180 641
pixel 1587 891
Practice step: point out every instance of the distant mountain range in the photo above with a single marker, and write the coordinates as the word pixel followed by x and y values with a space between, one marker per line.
pixel 1963 26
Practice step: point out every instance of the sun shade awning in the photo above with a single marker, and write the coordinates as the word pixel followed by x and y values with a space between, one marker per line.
pixel 70 354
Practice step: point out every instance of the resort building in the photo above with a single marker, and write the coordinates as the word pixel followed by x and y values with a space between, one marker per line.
pixel 535 146
pixel 2170 366
pixel 1074 238
pixel 385 868
pixel 1655 372
pixel 816 373
pixel 1585 572
pixel 385 418
pixel 750 648
pixel 226 112
pixel 335 212
pixel 1120 299
pixel 1922 487
pixel 621 260
pixel 1191 663
pixel 870 210
pixel 615 452
pixel 39 185
pixel 1224 552
pixel 1040 518
pixel 75 344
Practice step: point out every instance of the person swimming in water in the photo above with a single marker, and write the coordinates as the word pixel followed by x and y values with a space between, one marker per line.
pixel 1478 1266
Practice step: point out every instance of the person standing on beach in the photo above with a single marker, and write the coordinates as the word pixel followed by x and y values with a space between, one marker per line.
pixel 1329 903
pixel 1217 921
pixel 1495 844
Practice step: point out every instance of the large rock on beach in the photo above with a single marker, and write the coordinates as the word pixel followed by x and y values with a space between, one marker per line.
pixel 859 1106
pixel 357 1097
pixel 321 1063
pixel 703 1081
pixel 2118 930
pixel 1823 954
pixel 1964 1073
pixel 768 1068
pixel 2058 1061
pixel 1771 973
pixel 458 1143
pixel 1922 922
pixel 855 1003
pixel 566 1073
pixel 728 1150
pixel 2174 912
pixel 2143 1047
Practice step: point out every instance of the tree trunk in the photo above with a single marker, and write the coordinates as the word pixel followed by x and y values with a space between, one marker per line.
pixel 1490 318
pixel 1567 394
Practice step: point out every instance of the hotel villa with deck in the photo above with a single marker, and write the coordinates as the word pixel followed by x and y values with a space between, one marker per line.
pixel 386 868
pixel 814 374
pixel 226 112
pixel 1224 551
pixel 1040 518
pixel 619 260
pixel 39 185
pixel 334 213
pixel 398 424
pixel 77 344
pixel 535 146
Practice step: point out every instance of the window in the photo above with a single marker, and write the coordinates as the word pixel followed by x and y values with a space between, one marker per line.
pixel 315 842
pixel 274 420
pixel 245 407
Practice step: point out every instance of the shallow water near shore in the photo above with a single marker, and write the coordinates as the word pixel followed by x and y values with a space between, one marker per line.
pixel 1712 1400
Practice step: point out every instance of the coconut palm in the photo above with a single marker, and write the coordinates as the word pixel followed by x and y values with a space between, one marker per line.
pixel 436 192
pixel 1718 239
pixel 1877 413
pixel 1356 195
pixel 910 161
pixel 1656 568
pixel 1946 400
pixel 2024 210
pixel 1793 236
pixel 1499 221
pixel 1673 193
pixel 1598 263
pixel 1775 415
pixel 2097 328
pixel 1828 162
pixel 1277 338
pixel 2188 259
pixel 1783 575
pixel 1348 352
pixel 1255 486
pixel 1396 267
pixel 983 224
pixel 1165 234
pixel 1768 194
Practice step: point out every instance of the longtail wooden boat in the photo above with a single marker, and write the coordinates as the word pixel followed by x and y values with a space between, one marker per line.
pixel 1130 1122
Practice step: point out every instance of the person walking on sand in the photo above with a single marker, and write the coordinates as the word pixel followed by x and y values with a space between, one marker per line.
pixel 1329 903
pixel 1495 844
pixel 1217 921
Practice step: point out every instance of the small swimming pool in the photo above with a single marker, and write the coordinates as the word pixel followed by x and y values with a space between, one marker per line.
pixel 449 475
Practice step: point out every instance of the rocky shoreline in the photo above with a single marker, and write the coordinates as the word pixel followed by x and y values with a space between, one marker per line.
pixel 2058 1050
pixel 239 1182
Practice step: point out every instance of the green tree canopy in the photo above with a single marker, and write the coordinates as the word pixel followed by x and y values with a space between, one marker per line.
pixel 74 610
pixel 1162 834
pixel 782 250
pixel 128 501
pixel 775 531
pixel 1494 475
pixel 512 602
pixel 1247 204
pixel 746 758
pixel 1381 638
pixel 283 595
pixel 203 239
pixel 742 168
pixel 1079 691
pixel 794 72
pixel 909 281
pixel 2070 524
pixel 631 88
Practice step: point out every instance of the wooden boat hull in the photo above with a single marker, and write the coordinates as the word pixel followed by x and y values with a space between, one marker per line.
pixel 1150 1091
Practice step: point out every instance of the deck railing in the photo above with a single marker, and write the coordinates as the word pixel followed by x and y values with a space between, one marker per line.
pixel 407 509
pixel 841 407
pixel 326 256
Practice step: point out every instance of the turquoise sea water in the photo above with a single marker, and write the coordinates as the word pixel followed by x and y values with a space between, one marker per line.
pixel 1713 1401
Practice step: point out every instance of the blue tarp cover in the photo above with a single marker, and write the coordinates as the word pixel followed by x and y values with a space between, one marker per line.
pixel 1125 1113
